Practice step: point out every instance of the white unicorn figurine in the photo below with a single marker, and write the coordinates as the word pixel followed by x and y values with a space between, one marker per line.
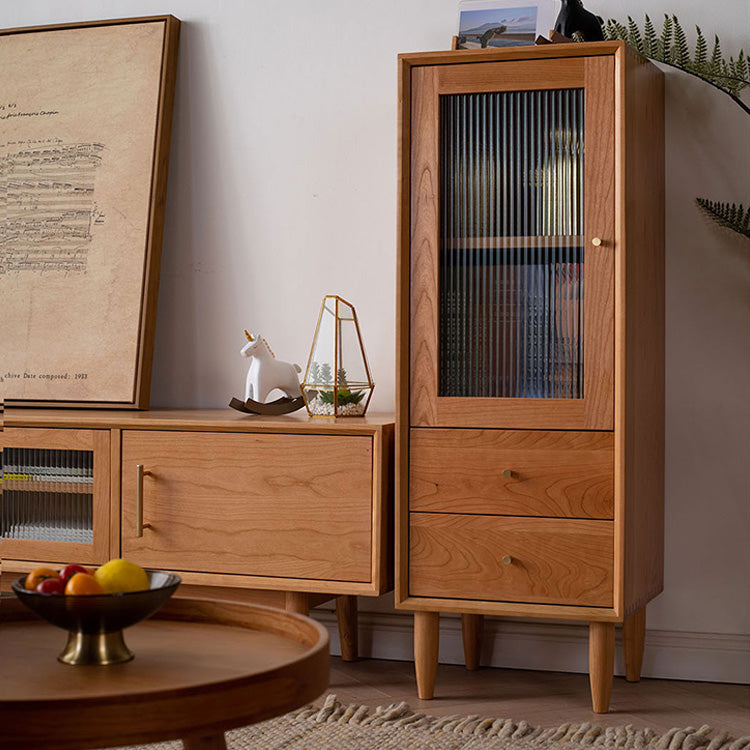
pixel 266 372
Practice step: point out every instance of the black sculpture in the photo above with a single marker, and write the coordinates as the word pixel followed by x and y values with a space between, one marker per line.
pixel 573 17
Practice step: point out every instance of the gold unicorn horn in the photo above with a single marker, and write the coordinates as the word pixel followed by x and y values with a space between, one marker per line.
pixel 249 337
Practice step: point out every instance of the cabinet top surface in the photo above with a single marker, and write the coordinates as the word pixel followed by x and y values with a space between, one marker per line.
pixel 526 52
pixel 224 420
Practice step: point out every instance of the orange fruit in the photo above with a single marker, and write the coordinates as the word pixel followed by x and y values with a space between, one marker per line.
pixel 38 575
pixel 83 583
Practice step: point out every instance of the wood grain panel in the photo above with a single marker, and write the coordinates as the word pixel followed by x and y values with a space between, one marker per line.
pixel 266 505
pixel 642 338
pixel 551 560
pixel 536 52
pixel 424 223
pixel 552 473
pixel 599 221
pixel 511 76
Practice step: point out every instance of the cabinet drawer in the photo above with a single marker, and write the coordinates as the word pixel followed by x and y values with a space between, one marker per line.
pixel 552 561
pixel 286 506
pixel 553 474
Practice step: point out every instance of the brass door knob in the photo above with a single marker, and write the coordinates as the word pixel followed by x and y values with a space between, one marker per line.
pixel 507 473
pixel 596 242
pixel 507 559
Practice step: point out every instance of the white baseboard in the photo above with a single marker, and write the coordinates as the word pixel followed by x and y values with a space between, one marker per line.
pixel 552 646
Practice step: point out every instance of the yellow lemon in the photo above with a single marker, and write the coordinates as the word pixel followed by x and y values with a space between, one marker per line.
pixel 121 575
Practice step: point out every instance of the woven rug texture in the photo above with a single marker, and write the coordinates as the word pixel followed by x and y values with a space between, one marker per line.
pixel 397 727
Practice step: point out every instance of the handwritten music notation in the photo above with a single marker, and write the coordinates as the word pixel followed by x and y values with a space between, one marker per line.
pixel 47 199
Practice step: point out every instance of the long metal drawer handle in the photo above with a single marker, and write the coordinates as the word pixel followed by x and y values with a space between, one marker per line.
pixel 139 525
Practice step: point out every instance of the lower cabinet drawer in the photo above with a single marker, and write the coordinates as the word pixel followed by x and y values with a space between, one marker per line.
pixel 283 506
pixel 512 472
pixel 491 558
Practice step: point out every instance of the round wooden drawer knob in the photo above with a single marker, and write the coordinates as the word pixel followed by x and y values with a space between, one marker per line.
pixel 507 559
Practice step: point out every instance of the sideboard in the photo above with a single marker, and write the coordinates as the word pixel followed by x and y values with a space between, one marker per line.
pixel 290 511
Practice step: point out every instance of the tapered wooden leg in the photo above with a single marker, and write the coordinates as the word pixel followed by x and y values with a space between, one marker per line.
pixel 213 742
pixel 471 630
pixel 297 601
pixel 633 640
pixel 346 614
pixel 426 637
pixel 601 664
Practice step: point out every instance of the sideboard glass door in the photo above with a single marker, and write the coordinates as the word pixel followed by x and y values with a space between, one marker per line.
pixel 55 495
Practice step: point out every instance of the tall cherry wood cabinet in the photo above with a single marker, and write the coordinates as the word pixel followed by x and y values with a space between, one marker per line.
pixel 530 415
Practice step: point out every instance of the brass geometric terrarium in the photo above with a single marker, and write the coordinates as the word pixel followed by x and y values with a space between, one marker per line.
pixel 337 378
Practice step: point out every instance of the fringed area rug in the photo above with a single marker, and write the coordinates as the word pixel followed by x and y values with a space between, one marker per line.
pixel 396 727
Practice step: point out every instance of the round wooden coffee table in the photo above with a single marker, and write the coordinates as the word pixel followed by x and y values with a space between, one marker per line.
pixel 201 667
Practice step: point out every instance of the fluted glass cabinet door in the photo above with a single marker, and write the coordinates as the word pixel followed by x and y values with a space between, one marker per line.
pixel 512 244
pixel 54 504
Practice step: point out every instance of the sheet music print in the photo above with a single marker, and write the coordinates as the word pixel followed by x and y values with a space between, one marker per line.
pixel 48 199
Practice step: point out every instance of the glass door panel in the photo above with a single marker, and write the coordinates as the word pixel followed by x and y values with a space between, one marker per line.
pixel 54 504
pixel 511 260
pixel 522 182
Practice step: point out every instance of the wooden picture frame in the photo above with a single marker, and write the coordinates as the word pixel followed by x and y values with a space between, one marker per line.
pixel 85 129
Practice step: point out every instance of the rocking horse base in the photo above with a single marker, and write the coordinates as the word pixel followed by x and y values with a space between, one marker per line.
pixel 284 405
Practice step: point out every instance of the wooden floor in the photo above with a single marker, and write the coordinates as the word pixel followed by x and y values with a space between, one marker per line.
pixel 545 698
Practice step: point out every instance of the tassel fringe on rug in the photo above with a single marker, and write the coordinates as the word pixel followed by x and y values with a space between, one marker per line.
pixel 396 727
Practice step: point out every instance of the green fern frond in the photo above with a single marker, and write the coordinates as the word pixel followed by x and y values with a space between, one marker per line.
pixel 671 47
pixel 731 216
pixel 700 60
pixel 716 59
pixel 649 38
pixel 664 42
pixel 679 54
pixel 634 36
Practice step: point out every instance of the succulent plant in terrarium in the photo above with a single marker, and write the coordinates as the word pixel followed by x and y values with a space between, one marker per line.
pixel 337 381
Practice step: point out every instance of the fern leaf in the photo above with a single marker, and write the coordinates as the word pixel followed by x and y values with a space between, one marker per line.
pixel 716 59
pixel 634 36
pixel 615 30
pixel 649 38
pixel 700 59
pixel 664 43
pixel 680 54
pixel 734 217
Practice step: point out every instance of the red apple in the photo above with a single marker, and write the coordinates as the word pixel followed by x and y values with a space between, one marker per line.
pixel 51 586
pixel 70 570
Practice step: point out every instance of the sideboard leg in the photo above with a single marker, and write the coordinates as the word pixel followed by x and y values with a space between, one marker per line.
pixel 213 742
pixel 633 640
pixel 346 614
pixel 471 630
pixel 297 601
pixel 426 639
pixel 601 664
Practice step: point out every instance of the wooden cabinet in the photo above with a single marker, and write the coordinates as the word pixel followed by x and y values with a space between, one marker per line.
pixel 284 506
pixel 530 415
pixel 289 510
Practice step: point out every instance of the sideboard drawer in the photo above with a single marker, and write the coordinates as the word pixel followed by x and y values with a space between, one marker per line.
pixel 539 560
pixel 281 505
pixel 512 472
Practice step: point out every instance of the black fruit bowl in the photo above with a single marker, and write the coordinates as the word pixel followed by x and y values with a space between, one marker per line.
pixel 95 621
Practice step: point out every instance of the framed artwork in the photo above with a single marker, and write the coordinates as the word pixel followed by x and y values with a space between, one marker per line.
pixel 503 23
pixel 85 126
